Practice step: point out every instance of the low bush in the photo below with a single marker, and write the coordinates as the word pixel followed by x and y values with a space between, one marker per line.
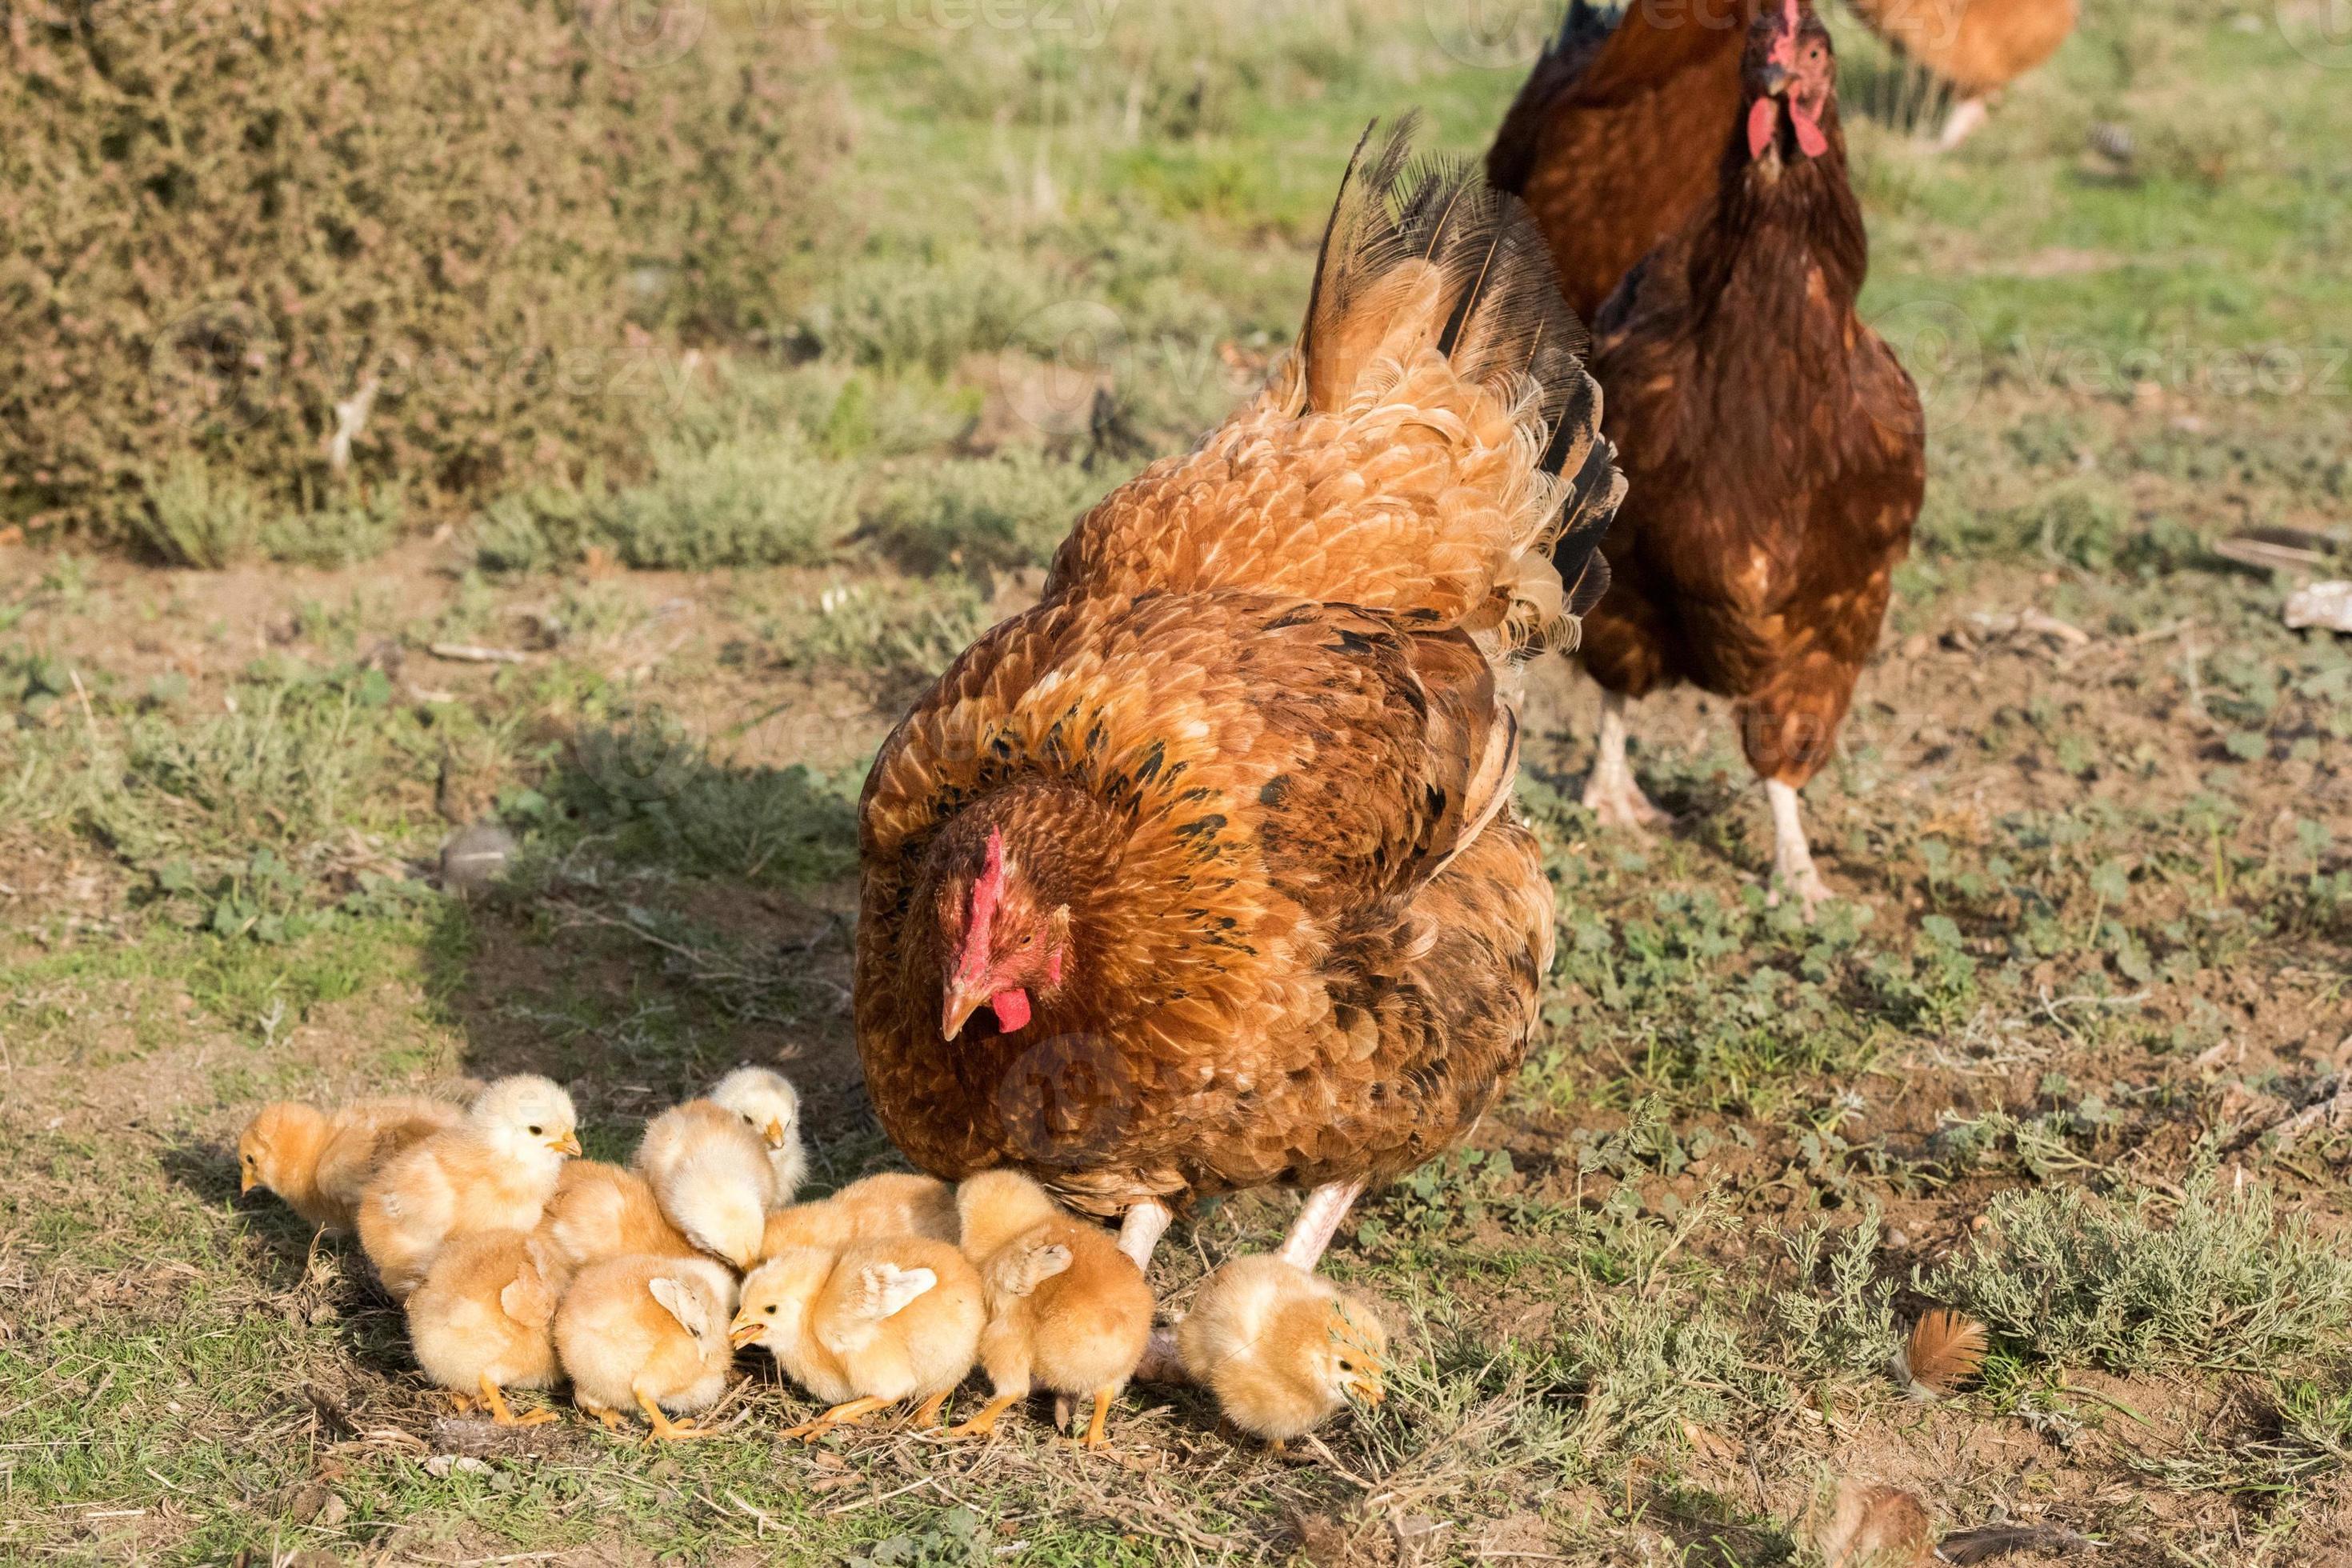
pixel 271 249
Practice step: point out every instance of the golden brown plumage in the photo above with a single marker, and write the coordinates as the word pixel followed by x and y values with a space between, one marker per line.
pixel 1973 47
pixel 710 1172
pixel 1607 141
pixel 1775 449
pixel 319 1162
pixel 1201 874
pixel 1068 1311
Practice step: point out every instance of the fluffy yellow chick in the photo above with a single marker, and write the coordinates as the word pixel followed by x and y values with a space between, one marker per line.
pixel 481 1322
pixel 321 1162
pixel 866 1325
pixel 1280 1348
pixel 648 1333
pixel 892 1204
pixel 1068 1311
pixel 710 1170
pixel 770 1103
pixel 493 1170
pixel 602 1211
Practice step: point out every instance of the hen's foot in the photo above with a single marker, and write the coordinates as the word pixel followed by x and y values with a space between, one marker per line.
pixel 1619 803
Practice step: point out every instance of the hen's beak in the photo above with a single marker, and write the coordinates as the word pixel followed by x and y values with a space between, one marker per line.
pixel 742 1334
pixel 962 1002
pixel 567 1144
pixel 776 1131
pixel 1777 81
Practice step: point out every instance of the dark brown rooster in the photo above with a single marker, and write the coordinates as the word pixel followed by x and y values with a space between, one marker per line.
pixel 1773 446
pixel 1611 142
pixel 1203 875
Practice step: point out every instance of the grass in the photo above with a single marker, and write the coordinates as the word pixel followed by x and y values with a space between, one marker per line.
pixel 2099 907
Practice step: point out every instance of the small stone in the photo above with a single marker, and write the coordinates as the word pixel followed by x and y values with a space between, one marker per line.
pixel 476 857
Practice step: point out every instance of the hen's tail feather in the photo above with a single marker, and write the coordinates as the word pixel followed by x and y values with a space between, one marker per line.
pixel 1425 254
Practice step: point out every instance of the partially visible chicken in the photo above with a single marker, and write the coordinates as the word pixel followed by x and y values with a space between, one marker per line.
pixel 493 1170
pixel 1972 48
pixel 319 1162
pixel 710 1172
pixel 602 1211
pixel 1599 142
pixel 892 1204
pixel 1776 449
pixel 648 1333
pixel 866 1326
pixel 1282 1349
pixel 1202 875
pixel 480 1322
pixel 769 1102
pixel 1068 1311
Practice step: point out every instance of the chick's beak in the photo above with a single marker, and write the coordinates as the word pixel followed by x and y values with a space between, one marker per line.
pixel 1368 1389
pixel 247 1181
pixel 962 1002
pixel 776 1131
pixel 567 1144
pixel 742 1334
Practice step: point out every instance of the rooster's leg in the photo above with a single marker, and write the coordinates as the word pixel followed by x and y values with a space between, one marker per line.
pixel 1320 1218
pixel 1609 792
pixel 1792 861
pixel 1969 116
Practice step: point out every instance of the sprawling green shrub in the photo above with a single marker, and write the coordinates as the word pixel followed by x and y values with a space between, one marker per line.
pixel 317 244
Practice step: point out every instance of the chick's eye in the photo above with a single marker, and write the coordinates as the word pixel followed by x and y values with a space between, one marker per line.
pixel 534 1131
pixel 771 1312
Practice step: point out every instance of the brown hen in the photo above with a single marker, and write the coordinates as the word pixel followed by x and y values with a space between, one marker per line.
pixel 1774 448
pixel 1202 875
pixel 1969 48
pixel 1611 141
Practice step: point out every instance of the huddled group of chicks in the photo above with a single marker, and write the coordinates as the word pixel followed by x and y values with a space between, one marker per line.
pixel 522 1266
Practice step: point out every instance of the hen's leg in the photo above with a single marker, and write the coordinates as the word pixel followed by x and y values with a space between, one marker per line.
pixel 1139 1232
pixel 1968 117
pixel 1319 1219
pixel 1793 861
pixel 1610 794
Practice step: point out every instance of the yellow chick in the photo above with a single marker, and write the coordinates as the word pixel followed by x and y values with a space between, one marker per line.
pixel 648 1333
pixel 493 1170
pixel 602 1211
pixel 710 1170
pixel 1068 1311
pixel 319 1162
pixel 772 1106
pixel 481 1322
pixel 866 1326
pixel 1280 1348
pixel 892 1204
